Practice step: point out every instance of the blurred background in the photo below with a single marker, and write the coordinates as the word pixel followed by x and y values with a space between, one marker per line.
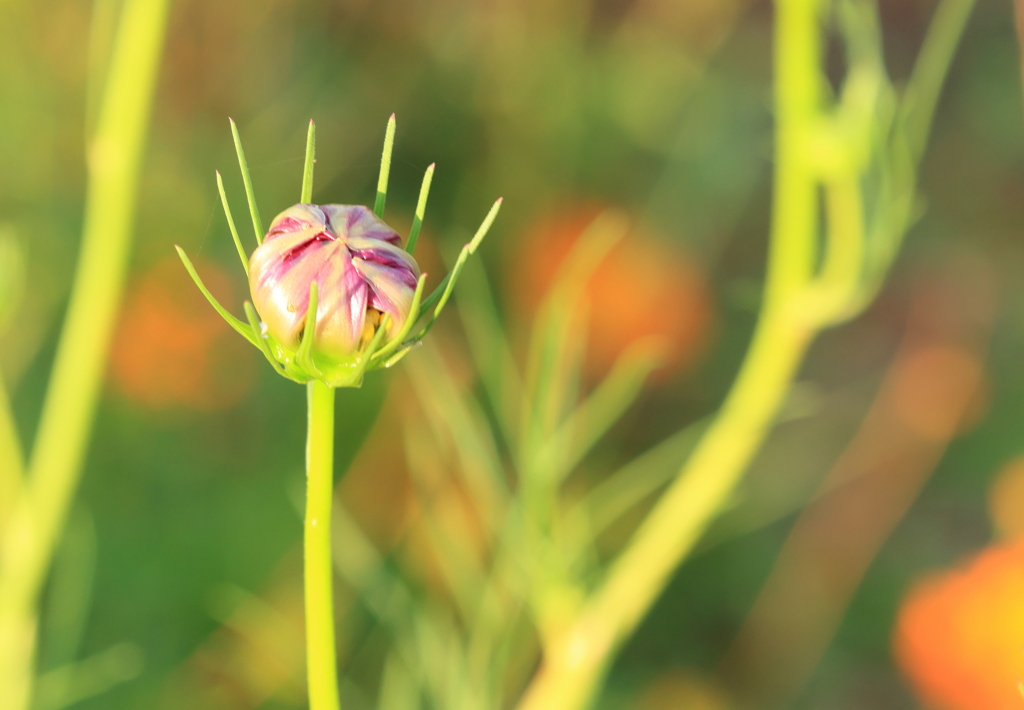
pixel 899 453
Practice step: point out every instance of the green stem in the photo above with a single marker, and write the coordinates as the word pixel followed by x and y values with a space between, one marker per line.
pixel 321 665
pixel 114 163
pixel 575 661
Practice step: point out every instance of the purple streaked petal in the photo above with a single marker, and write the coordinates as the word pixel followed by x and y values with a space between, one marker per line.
pixel 296 218
pixel 340 316
pixel 358 221
pixel 383 253
pixel 387 293
pixel 355 259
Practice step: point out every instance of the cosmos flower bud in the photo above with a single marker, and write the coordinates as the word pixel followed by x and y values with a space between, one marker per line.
pixel 361 272
pixel 334 293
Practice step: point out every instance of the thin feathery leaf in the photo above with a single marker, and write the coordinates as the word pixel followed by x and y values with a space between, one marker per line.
pixel 613 497
pixel 307 169
pixel 257 225
pixel 452 411
pixel 552 361
pixel 231 320
pixel 231 224
pixel 459 564
pixel 385 168
pixel 421 207
pixel 490 348
pixel 575 437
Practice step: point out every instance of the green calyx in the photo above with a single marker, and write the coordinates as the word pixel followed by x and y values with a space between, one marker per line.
pixel 384 349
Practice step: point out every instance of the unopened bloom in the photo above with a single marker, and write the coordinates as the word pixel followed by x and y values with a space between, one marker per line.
pixel 362 275
pixel 367 288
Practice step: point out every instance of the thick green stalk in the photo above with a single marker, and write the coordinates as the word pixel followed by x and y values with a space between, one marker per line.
pixel 574 664
pixel 321 666
pixel 114 162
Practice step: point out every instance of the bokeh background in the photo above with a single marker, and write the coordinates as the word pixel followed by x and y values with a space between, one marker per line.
pixel 898 453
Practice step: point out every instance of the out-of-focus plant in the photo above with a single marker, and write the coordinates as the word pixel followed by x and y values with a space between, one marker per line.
pixel 336 295
pixel 37 494
pixel 523 574
pixel 640 270
pixel 12 289
pixel 861 151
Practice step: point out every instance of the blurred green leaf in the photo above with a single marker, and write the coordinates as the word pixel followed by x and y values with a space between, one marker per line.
pixel 12 276
pixel 491 351
pixel 97 674
pixel 552 368
pixel 69 596
pixel 567 446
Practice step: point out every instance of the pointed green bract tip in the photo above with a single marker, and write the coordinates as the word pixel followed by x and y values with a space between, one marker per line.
pixel 307 170
pixel 485 226
pixel 385 168
pixel 421 207
pixel 315 352
pixel 257 223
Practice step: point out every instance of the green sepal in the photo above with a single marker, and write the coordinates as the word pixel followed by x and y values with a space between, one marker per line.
pixel 421 208
pixel 307 168
pixel 261 341
pixel 235 323
pixel 257 224
pixel 356 378
pixel 231 223
pixel 444 289
pixel 385 168
pixel 414 315
pixel 304 355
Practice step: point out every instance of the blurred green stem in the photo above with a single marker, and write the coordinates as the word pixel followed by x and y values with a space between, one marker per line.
pixel 321 666
pixel 114 162
pixel 12 471
pixel 791 315
pixel 575 663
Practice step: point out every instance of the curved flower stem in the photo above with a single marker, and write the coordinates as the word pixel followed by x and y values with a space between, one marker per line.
pixel 114 162
pixel 575 663
pixel 576 658
pixel 321 666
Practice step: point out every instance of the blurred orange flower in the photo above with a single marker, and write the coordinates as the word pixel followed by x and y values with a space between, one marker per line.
pixel 645 287
pixel 960 635
pixel 172 350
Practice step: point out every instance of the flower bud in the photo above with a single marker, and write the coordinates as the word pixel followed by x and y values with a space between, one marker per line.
pixel 361 272
pixel 367 289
